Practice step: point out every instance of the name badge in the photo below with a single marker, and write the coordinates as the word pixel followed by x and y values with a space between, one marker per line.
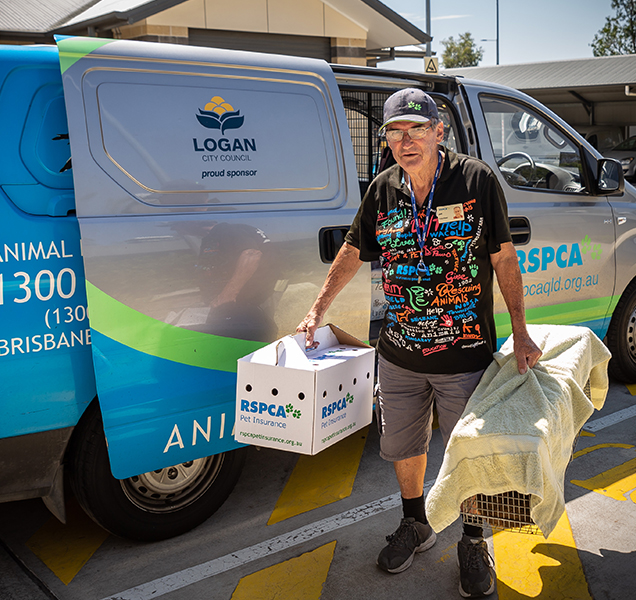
pixel 452 212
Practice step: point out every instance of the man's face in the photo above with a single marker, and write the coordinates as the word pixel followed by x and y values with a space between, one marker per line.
pixel 416 156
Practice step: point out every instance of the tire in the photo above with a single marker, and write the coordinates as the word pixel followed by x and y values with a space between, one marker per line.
pixel 152 506
pixel 621 337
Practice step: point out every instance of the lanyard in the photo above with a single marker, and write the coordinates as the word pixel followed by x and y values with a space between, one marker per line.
pixel 422 269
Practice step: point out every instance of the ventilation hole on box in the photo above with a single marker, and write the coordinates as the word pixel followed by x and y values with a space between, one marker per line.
pixel 340 388
pixel 324 394
pixel 355 381
pixel 274 392
pixel 301 396
pixel 248 388
pixel 368 375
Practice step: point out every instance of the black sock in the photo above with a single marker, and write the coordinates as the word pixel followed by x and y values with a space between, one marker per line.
pixel 414 507
pixel 474 531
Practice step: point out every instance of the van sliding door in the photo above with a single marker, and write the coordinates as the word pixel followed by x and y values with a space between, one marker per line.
pixel 202 178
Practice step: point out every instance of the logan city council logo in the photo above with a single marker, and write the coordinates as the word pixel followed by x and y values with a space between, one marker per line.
pixel 219 114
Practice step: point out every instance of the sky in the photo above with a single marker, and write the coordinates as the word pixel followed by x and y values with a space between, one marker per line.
pixel 529 30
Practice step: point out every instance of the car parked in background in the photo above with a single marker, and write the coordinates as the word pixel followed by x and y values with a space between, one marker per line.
pixel 625 152
pixel 601 137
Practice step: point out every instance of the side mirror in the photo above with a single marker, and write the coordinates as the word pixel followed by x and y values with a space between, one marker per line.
pixel 610 179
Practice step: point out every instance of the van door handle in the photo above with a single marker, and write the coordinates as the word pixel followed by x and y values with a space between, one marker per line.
pixel 330 240
pixel 519 230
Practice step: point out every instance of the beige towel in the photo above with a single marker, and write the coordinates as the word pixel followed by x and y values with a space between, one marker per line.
pixel 517 431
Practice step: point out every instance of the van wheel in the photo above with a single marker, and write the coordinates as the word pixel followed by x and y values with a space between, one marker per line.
pixel 621 337
pixel 152 506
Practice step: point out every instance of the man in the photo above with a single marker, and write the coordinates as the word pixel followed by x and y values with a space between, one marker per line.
pixel 438 334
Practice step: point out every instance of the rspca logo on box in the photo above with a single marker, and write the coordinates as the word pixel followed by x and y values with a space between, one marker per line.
pixel 336 407
pixel 274 410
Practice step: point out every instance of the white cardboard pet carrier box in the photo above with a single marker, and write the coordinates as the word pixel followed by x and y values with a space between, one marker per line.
pixel 304 401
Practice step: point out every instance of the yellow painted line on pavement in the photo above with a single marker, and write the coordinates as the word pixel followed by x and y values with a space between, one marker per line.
pixel 299 578
pixel 321 479
pixel 529 566
pixel 449 552
pixel 615 483
pixel 632 388
pixel 598 447
pixel 65 549
pixel 587 434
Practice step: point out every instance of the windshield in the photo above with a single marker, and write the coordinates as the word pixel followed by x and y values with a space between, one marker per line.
pixel 628 144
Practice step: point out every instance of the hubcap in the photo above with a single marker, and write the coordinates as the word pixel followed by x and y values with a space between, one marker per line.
pixel 172 488
pixel 630 335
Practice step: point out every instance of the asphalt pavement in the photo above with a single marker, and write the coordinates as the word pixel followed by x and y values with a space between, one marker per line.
pixel 318 540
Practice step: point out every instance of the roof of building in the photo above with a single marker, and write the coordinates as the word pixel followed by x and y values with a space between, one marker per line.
pixel 385 28
pixel 594 83
pixel 35 16
pixel 584 91
pixel 603 70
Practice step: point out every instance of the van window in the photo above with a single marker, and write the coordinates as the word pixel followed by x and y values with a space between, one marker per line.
pixel 364 114
pixel 172 139
pixel 530 151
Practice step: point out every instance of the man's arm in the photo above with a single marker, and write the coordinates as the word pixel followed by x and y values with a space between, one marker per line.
pixel 506 267
pixel 344 267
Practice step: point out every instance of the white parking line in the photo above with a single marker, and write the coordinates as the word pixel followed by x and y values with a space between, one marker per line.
pixel 181 579
pixel 612 419
pixel 186 577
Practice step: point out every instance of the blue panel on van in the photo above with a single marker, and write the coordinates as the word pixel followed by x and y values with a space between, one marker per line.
pixel 46 366
pixel 178 414
pixel 36 152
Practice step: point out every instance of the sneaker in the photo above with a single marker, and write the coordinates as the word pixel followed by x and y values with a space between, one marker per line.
pixel 411 537
pixel 476 572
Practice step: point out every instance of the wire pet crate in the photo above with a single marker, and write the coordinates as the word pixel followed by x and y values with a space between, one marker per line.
pixel 509 510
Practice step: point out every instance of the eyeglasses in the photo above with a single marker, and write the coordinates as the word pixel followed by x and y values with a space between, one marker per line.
pixel 415 133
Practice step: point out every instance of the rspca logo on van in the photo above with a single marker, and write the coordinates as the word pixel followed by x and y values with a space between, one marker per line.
pixel 219 114
pixel 563 256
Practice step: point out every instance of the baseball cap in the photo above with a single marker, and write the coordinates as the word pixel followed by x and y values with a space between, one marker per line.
pixel 409 104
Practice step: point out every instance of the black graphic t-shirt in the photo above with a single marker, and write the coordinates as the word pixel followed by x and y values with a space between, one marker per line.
pixel 442 322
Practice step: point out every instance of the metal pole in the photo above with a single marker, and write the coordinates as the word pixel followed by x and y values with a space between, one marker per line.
pixel 429 50
pixel 497 31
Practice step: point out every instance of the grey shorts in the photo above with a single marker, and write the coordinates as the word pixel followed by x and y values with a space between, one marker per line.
pixel 404 407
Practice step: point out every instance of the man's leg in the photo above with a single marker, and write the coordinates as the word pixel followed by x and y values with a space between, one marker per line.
pixel 410 475
pixel 404 412
pixel 476 569
pixel 414 533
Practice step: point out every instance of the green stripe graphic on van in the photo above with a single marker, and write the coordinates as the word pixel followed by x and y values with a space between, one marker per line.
pixel 569 313
pixel 156 338
pixel 71 49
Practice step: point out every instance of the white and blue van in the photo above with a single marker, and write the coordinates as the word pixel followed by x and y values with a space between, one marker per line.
pixel 168 209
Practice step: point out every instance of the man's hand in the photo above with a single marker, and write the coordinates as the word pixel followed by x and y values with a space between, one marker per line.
pixel 526 352
pixel 309 324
